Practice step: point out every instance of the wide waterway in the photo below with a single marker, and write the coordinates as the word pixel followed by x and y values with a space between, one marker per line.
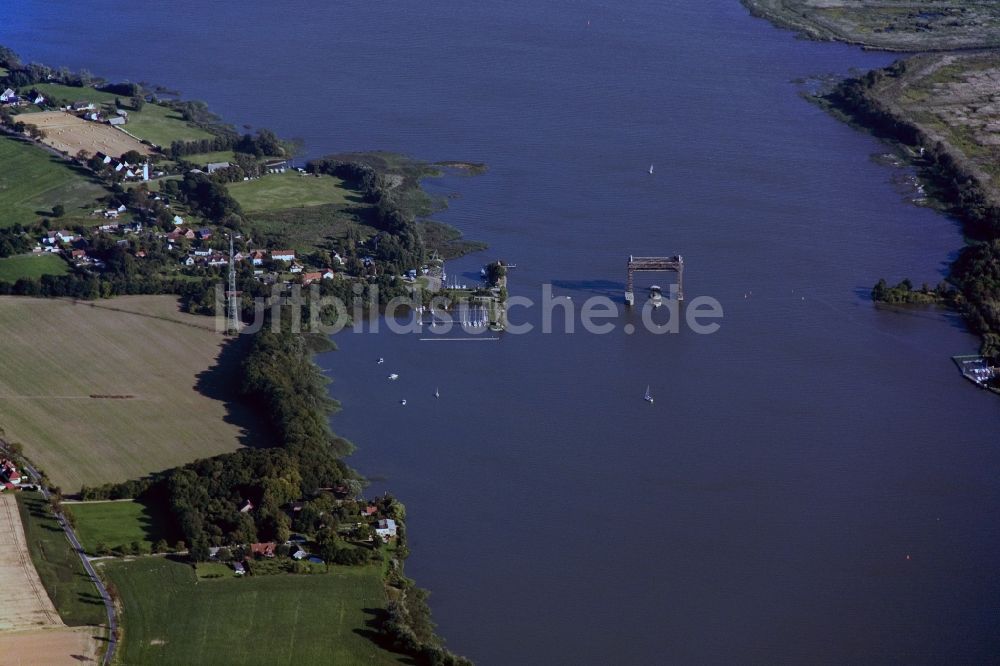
pixel 814 483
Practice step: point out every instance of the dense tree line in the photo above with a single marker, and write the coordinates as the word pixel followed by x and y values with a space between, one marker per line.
pixel 205 196
pixel 904 292
pixel 205 498
pixel 401 246
pixel 263 144
pixel 977 274
pixel 408 628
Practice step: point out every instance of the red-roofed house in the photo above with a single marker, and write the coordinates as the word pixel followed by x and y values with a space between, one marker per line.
pixel 263 549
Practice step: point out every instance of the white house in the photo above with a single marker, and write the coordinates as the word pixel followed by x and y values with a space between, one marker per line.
pixel 296 268
pixel 38 99
pixel 212 167
pixel 7 95
pixel 328 274
pixel 65 236
pixel 282 255
pixel 386 529
pixel 117 121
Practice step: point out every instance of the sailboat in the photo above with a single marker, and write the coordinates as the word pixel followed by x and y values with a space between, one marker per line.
pixel 649 396
pixel 650 169
pixel 437 393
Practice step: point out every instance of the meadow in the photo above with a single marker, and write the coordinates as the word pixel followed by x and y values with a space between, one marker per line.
pixel 276 191
pixel 14 268
pixel 108 391
pixel 113 524
pixel 39 182
pixel 55 92
pixel 162 125
pixel 171 617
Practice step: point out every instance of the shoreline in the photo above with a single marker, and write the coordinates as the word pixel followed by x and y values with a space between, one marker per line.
pixel 957 184
pixel 394 184
pixel 874 26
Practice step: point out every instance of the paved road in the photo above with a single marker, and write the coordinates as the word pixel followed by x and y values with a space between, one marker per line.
pixel 109 605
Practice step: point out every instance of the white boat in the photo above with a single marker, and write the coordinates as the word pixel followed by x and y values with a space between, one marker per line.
pixel 393 377
pixel 437 393
pixel 650 168
pixel 381 360
pixel 403 402
pixel 656 296
pixel 649 396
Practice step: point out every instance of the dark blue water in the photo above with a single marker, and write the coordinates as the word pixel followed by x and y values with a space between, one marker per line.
pixel 763 510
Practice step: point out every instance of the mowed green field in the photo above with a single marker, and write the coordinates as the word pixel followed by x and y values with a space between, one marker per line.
pixel 71 94
pixel 170 617
pixel 114 524
pixel 59 567
pixel 32 181
pixel 109 391
pixel 277 191
pixel 161 125
pixel 14 268
pixel 205 158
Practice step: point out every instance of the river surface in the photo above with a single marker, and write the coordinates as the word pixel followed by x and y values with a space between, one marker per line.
pixel 815 483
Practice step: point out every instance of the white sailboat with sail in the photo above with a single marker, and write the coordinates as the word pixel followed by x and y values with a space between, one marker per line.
pixel 649 396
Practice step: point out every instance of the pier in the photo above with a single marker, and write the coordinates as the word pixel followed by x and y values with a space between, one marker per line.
pixel 650 264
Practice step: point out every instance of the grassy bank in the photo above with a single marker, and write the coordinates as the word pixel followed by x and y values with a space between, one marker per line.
pixel 29 266
pixel 162 125
pixel 58 565
pixel 892 25
pixel 39 182
pixel 308 619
